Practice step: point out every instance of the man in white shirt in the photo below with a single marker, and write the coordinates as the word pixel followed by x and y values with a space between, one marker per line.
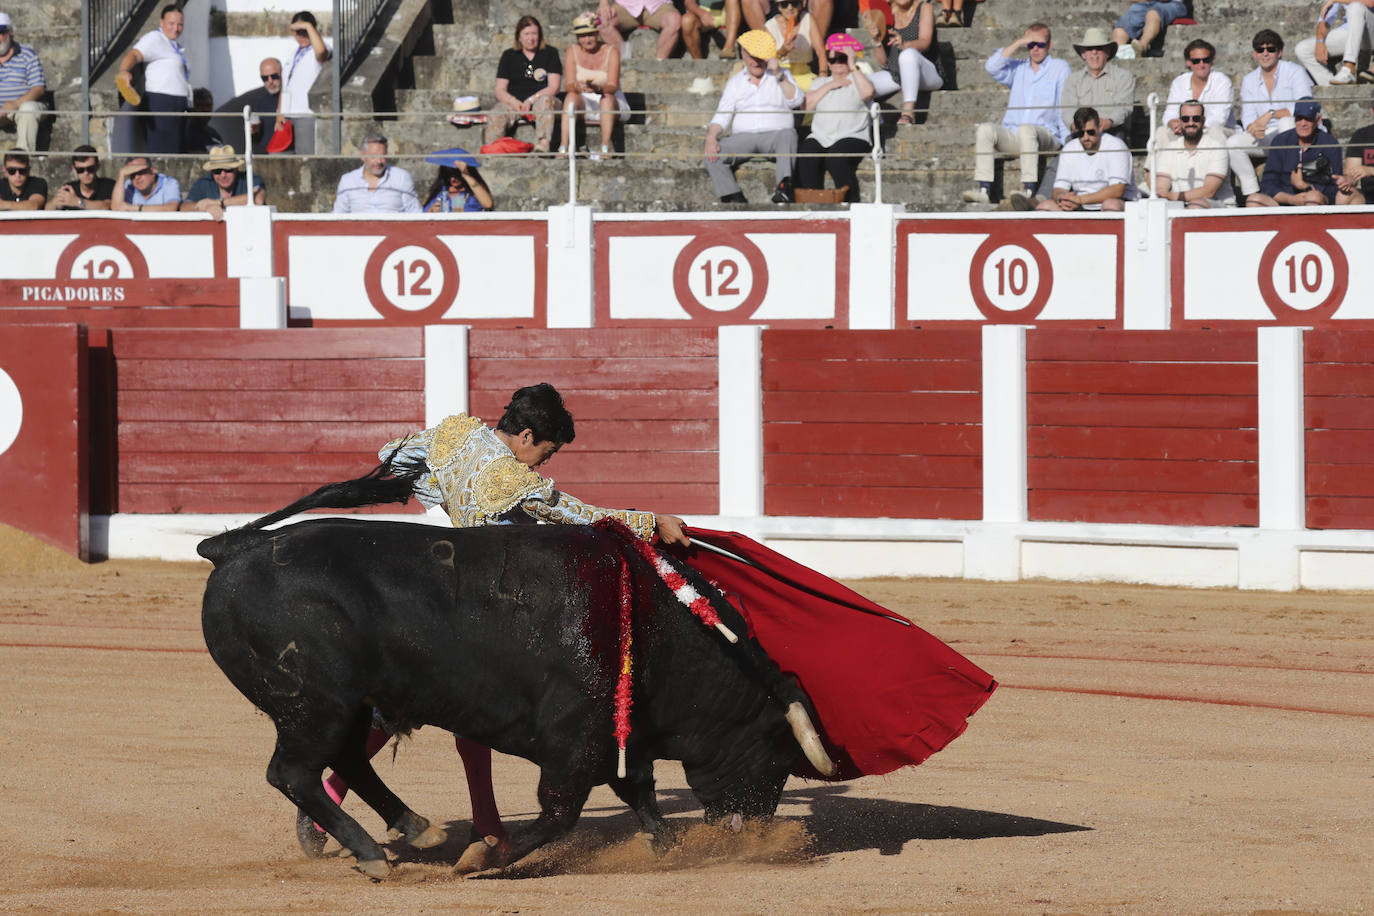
pixel 757 107
pixel 375 186
pixel 301 69
pixel 1201 82
pixel 166 81
pixel 1192 167
pixel 1267 96
pixel 1094 169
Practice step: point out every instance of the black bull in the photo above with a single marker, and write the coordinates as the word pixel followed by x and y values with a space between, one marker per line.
pixel 508 636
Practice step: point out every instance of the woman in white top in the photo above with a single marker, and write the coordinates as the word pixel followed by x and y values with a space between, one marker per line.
pixel 591 73
pixel 904 59
pixel 166 81
pixel 840 128
pixel 299 73
pixel 798 39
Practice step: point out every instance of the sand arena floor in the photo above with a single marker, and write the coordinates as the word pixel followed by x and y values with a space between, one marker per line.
pixel 1150 751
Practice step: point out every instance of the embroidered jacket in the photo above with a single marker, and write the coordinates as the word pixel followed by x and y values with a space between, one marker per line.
pixel 479 481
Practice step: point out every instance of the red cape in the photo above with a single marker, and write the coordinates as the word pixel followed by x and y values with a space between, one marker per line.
pixel 888 693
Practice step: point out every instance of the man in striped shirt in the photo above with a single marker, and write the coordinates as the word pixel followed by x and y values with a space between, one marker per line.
pixel 22 87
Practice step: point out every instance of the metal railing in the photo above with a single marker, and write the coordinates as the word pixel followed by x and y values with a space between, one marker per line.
pixel 101 23
pixel 352 20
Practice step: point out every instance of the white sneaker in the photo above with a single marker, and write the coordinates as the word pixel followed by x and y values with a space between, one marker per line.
pixel 1125 52
pixel 976 196
pixel 1344 77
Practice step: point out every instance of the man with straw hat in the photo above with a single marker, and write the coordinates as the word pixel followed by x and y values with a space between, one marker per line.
pixel 1100 85
pixel 757 107
pixel 224 185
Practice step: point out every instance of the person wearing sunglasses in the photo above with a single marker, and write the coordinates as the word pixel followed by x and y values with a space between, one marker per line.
pixel 22 87
pixel 1304 167
pixel 264 101
pixel 306 61
pixel 1192 169
pixel 903 58
pixel 1142 26
pixel 841 130
pixel 144 189
pixel 795 32
pixel 1267 95
pixel 21 190
pixel 89 191
pixel 756 107
pixel 1095 170
pixel 1032 123
pixel 1208 85
pixel 1344 27
pixel 223 185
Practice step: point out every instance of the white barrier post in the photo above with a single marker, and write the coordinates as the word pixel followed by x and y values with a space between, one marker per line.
pixel 1153 101
pixel 993 550
pixel 739 397
pixel 875 112
pixel 248 149
pixel 446 371
pixel 571 144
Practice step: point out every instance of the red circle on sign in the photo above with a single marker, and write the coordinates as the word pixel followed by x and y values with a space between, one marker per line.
pixel 1340 279
pixel 448 290
pixel 728 238
pixel 1010 234
pixel 89 239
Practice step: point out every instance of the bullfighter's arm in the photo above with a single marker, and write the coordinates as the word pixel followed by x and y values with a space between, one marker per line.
pixel 411 450
pixel 561 509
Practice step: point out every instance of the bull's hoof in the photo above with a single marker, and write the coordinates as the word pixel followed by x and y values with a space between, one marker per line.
pixel 311 838
pixel 376 869
pixel 430 836
pixel 484 854
pixel 417 832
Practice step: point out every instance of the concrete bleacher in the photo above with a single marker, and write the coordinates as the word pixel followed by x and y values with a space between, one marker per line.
pixel 924 167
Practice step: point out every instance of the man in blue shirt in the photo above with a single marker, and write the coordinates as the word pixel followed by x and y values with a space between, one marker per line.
pixel 224 186
pixel 142 188
pixel 22 86
pixel 1304 167
pixel 1032 122
pixel 376 186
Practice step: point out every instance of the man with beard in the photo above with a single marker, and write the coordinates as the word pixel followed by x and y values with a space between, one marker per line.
pixel 376 186
pixel 22 85
pixel 1304 168
pixel 1094 169
pixel 1192 167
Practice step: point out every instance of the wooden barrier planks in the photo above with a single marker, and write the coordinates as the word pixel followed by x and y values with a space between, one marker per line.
pixel 644 402
pixel 1338 385
pixel 873 423
pixel 1142 427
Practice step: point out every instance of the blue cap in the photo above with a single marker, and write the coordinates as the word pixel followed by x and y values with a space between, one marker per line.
pixel 1307 108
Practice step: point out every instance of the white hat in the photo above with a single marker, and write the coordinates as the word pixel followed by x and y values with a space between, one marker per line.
pixel 5 21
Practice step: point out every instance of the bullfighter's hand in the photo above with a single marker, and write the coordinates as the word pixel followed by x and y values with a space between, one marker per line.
pixel 671 530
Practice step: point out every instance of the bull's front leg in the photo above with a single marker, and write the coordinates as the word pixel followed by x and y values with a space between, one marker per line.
pixel 637 791
pixel 301 783
pixel 561 798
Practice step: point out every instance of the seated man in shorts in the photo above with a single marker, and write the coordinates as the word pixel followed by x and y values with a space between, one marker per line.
pixel 1144 22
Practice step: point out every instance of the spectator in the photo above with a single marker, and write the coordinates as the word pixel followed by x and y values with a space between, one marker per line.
pixel 1032 122
pixel 592 68
pixel 21 190
pixel 528 77
pixel 225 186
pixel 1208 85
pixel 1094 170
pixel 459 188
pixel 265 102
pixel 1304 165
pixel 738 13
pixel 841 128
pixel 89 191
pixel 1266 96
pixel 698 22
pixel 1191 167
pixel 1100 85
pixel 1143 22
pixel 144 189
pixel 756 107
pixel 22 87
pixel 618 19
pixel 1359 160
pixel 201 136
pixel 1344 41
pixel 903 57
pixel 876 16
pixel 166 81
pixel 794 32
pixel 376 186
pixel 307 60
pixel 952 13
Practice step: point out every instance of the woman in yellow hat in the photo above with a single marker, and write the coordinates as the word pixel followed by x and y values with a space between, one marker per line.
pixel 591 71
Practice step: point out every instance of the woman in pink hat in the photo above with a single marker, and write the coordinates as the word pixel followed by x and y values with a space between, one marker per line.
pixel 841 128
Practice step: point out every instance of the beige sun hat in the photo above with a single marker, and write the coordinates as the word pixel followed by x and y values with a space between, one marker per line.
pixel 1096 39
pixel 223 157
pixel 585 24
pixel 759 44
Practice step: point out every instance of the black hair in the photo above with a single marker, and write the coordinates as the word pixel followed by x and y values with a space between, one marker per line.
pixel 305 16
pixel 1196 43
pixel 446 172
pixel 1083 117
pixel 169 8
pixel 17 155
pixel 538 408
pixel 1267 37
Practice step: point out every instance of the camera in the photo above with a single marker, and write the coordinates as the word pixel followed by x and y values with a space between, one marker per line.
pixel 1316 169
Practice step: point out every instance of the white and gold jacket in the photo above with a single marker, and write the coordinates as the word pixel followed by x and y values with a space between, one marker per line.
pixel 479 481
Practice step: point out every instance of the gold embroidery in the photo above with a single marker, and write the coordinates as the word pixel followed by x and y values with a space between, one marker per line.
pixel 449 437
pixel 502 483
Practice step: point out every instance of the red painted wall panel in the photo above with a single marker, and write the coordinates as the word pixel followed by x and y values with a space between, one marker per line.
pixel 644 402
pixel 1142 427
pixel 873 423
pixel 1339 403
pixel 246 421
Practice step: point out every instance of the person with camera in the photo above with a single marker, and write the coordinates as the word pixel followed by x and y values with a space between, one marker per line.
pixel 1304 166
pixel 88 191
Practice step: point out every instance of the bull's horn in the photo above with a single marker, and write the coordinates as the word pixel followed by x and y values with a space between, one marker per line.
pixel 809 739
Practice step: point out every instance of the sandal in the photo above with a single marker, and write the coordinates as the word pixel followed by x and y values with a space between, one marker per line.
pixel 907 118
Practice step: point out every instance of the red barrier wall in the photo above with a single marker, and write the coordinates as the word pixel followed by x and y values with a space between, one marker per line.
pixel 644 402
pixel 1339 403
pixel 1143 427
pixel 247 421
pixel 873 423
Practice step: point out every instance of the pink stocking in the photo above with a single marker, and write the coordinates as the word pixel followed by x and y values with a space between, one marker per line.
pixel 486 819
pixel 376 740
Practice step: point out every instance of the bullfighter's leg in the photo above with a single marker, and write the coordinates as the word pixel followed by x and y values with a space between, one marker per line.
pixel 486 818
pixel 561 795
